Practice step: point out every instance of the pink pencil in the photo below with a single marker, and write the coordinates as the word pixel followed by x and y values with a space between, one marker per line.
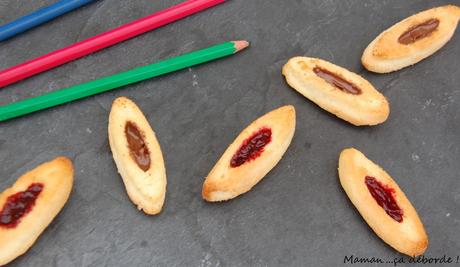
pixel 103 40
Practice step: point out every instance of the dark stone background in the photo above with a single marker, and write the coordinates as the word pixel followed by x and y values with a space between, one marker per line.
pixel 298 215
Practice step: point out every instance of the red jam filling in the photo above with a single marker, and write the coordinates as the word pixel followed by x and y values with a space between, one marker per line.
pixel 18 205
pixel 384 197
pixel 252 147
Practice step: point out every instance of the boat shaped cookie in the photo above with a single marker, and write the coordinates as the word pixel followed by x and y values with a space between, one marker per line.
pixel 337 90
pixel 255 151
pixel 31 204
pixel 381 203
pixel 411 40
pixel 138 156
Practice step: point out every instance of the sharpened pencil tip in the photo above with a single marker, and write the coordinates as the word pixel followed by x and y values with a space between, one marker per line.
pixel 240 45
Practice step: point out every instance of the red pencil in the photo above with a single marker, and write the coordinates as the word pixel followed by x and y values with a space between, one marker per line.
pixel 103 40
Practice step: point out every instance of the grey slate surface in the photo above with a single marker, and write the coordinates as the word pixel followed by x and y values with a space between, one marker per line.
pixel 298 215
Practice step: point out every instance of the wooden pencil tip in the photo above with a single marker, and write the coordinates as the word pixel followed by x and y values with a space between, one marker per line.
pixel 240 45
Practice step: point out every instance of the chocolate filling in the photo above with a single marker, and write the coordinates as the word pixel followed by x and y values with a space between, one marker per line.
pixel 137 146
pixel 337 81
pixel 419 31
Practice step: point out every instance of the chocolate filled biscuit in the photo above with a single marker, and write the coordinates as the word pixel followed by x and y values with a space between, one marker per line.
pixel 138 156
pixel 411 40
pixel 337 90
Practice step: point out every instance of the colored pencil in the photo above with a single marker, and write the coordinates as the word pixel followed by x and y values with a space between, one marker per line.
pixel 106 39
pixel 69 94
pixel 39 17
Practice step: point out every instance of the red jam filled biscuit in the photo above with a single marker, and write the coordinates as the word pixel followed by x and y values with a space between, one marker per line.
pixel 251 156
pixel 382 204
pixel 29 206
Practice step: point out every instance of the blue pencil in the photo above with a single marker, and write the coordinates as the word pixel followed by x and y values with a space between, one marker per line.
pixel 40 16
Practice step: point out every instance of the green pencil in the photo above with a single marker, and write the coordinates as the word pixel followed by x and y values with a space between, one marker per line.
pixel 69 94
